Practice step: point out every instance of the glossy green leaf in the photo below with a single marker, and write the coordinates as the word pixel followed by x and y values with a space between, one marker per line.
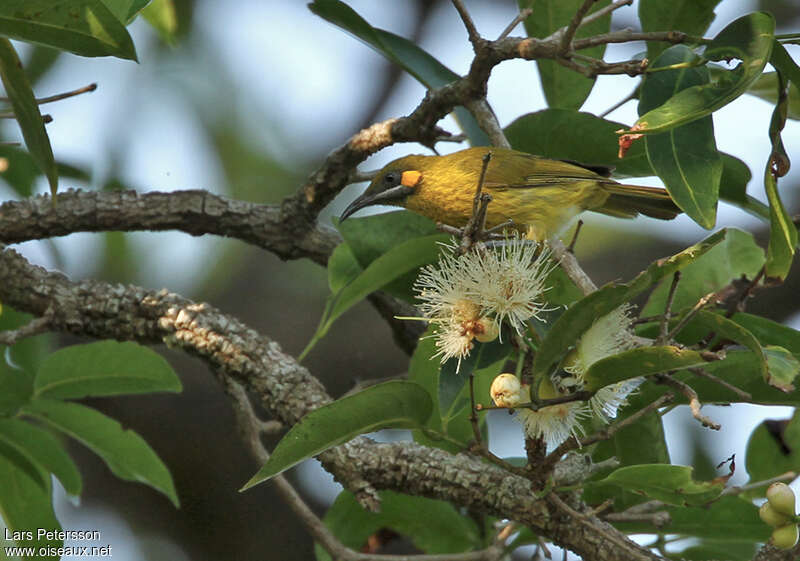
pixel 729 329
pixel 729 519
pixel 782 369
pixel 342 267
pixel 766 87
pixel 403 258
pixel 125 10
pixel 773 449
pixel 738 254
pixel 748 39
pixel 417 62
pixel 104 368
pixel 686 157
pixel 395 404
pixel 424 370
pixel 782 231
pixel 551 133
pixel 733 187
pixel 42 449
pixel 83 27
pixel 667 483
pixel 371 236
pixel 770 332
pixel 25 507
pixel 26 112
pixel 643 361
pixel 16 388
pixel 564 88
pixel 126 453
pixel 577 319
pixel 433 526
pixel 690 16
pixel 161 15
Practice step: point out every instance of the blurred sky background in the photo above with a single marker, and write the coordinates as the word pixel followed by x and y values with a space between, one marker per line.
pixel 247 104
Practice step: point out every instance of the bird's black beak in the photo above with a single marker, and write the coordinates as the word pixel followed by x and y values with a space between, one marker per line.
pixel 393 196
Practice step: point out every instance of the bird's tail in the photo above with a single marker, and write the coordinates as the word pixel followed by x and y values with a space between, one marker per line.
pixel 626 201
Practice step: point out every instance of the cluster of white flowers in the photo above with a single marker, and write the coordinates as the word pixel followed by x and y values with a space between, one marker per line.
pixel 467 297
pixel 608 335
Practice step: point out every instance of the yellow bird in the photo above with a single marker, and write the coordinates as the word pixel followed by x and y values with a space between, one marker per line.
pixel 536 193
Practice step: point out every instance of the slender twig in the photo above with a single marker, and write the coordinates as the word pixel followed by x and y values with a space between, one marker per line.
pixel 487 120
pixel 663 331
pixel 741 303
pixel 541 404
pixel 36 326
pixel 571 267
pixel 787 477
pixel 628 35
pixel 575 22
pixel 65 95
pixel 691 395
pixel 472 32
pixel 603 434
pixel 594 16
pixel 571 247
pixel 690 314
pixel 631 96
pixel 521 16
pixel 700 373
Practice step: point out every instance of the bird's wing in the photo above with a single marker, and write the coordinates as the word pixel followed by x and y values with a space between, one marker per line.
pixel 525 171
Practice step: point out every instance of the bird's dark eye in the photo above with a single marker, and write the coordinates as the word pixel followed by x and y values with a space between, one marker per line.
pixel 391 179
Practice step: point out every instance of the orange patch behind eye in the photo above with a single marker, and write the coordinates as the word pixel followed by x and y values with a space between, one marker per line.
pixel 410 178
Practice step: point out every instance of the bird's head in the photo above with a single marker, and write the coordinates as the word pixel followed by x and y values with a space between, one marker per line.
pixel 392 186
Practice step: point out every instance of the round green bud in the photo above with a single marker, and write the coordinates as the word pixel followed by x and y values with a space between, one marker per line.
pixel 771 516
pixel 785 537
pixel 781 497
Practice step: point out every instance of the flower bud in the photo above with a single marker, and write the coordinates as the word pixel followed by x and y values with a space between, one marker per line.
pixel 771 516
pixel 785 537
pixel 486 329
pixel 506 391
pixel 781 498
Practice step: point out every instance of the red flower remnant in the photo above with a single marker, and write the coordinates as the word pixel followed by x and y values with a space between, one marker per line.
pixel 627 139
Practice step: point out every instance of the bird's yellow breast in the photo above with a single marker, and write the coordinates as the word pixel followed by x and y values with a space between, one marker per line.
pixel 544 205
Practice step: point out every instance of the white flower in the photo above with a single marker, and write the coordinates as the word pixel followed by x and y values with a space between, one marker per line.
pixel 554 423
pixel 609 335
pixel 509 282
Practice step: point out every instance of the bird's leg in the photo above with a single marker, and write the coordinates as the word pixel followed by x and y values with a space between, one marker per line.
pixel 578 227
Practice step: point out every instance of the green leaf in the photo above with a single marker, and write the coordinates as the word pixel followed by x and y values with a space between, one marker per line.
pixel 342 267
pixel 125 10
pixel 23 172
pixel 25 507
pixel 736 255
pixel 729 519
pixel 773 449
pixel 733 187
pixel 161 15
pixel 686 157
pixel 766 87
pixel 551 133
pixel 372 236
pixel 104 368
pixel 749 39
pixel 26 112
pixel 564 88
pixel 417 62
pixel 570 326
pixel 782 231
pixel 667 483
pixel 17 388
pixel 783 368
pixel 770 332
pixel 126 453
pixel 708 549
pixel 83 27
pixel 643 361
pixel 395 404
pixel 42 449
pixel 433 526
pixel 405 257
pixel 728 329
pixel 690 16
